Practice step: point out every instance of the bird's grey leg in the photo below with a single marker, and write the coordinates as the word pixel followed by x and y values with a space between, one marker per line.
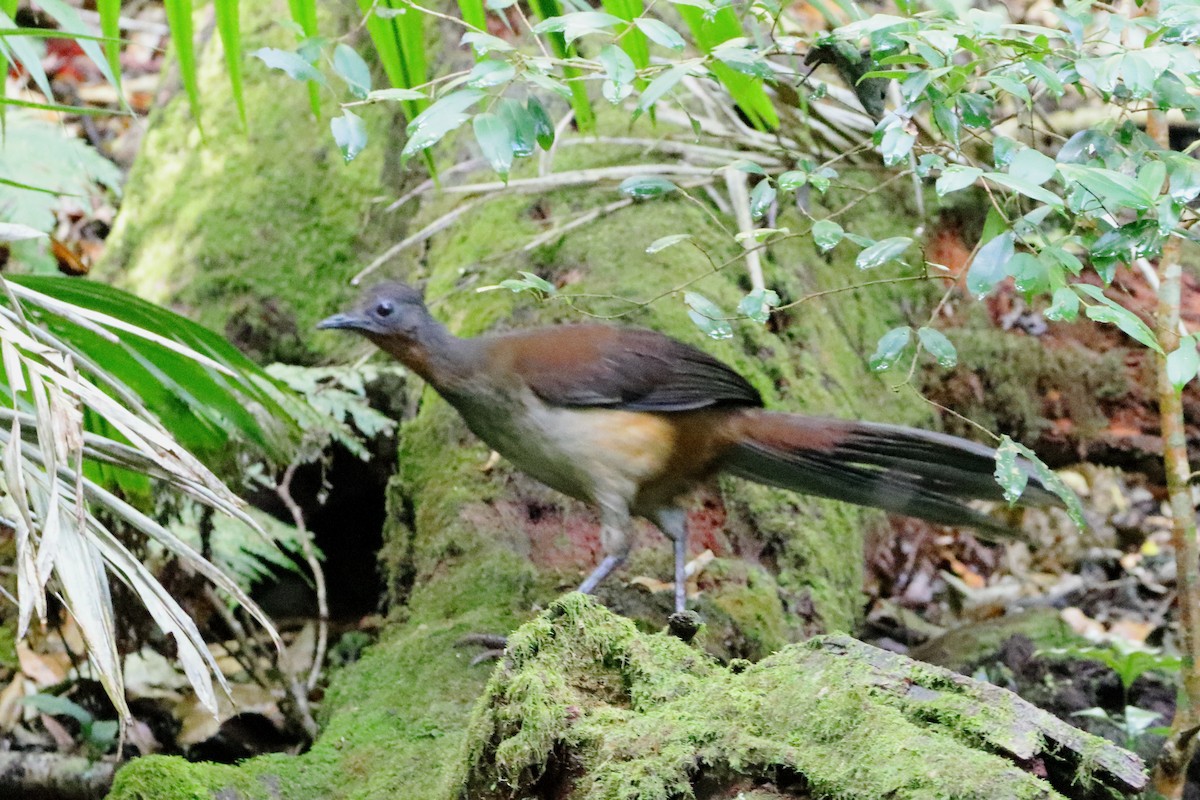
pixel 673 522
pixel 614 537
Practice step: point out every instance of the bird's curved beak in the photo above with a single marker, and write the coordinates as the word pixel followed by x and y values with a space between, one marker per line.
pixel 341 321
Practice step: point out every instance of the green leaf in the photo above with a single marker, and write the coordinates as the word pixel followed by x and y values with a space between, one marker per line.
pixel 643 187
pixel 1030 165
pixel 896 143
pixel 707 316
pixel 1064 306
pixel 619 73
pixel 396 94
pixel 745 61
pixel 761 198
pixel 956 177
pixel 524 131
pixel 975 109
pixel 580 23
pixel 179 18
pixel 1035 466
pixel 350 134
pixel 889 349
pixel 484 43
pixel 16 232
pixel 543 128
pixel 1183 363
pixel 495 139
pixel 792 180
pixel 26 55
pixel 1026 188
pixel 660 33
pixel 491 73
pixel 1109 188
pixel 826 234
pixel 447 114
pixel 662 243
pixel 69 21
pixel 882 252
pixel 757 305
pixel 229 29
pixel 658 87
pixel 350 67
pixel 291 63
pixel 1113 313
pixel 947 122
pixel 990 265
pixel 1009 475
pixel 938 346
pixel 1030 275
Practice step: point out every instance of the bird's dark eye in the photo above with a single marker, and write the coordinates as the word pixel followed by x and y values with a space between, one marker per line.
pixel 384 309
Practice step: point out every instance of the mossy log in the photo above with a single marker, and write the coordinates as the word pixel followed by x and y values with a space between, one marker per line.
pixel 269 237
pixel 584 706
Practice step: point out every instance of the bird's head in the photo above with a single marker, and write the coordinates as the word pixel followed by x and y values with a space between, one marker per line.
pixel 386 312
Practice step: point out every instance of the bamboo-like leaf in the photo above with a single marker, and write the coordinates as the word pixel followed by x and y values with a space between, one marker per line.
pixel 70 22
pixel 179 18
pixel 110 29
pixel 399 41
pixel 585 117
pixel 746 91
pixel 473 13
pixel 16 48
pixel 229 28
pixel 304 14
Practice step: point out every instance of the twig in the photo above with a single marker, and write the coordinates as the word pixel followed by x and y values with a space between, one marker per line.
pixel 739 196
pixel 433 228
pixel 559 180
pixel 582 219
pixel 427 184
pixel 284 490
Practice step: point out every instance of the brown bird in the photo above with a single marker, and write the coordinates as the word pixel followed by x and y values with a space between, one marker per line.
pixel 632 421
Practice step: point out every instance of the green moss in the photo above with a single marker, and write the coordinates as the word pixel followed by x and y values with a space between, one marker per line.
pixel 587 707
pixel 237 227
pixel 1004 379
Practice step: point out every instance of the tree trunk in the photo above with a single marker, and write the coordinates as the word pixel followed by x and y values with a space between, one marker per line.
pixel 248 231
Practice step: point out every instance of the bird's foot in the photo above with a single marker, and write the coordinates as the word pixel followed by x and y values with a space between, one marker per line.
pixel 493 645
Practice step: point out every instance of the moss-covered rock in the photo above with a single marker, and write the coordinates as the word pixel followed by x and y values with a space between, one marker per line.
pixel 584 706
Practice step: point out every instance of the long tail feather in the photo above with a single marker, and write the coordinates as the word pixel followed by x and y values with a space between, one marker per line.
pixel 903 470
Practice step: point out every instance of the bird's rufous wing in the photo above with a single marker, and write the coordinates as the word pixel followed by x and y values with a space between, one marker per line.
pixel 600 366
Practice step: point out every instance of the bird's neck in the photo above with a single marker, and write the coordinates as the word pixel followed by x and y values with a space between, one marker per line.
pixel 444 360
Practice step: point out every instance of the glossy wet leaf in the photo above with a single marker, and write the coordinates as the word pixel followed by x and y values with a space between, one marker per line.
pixel 1009 475
pixel 664 242
pixel 1064 306
pixel 16 232
pixel 990 265
pixel 660 86
pixel 291 64
pixel 350 134
pixel 1107 187
pixel 495 139
pixel 1111 312
pixel 890 348
pixel 761 198
pixel 1183 362
pixel 757 305
pixel 646 186
pixel 938 346
pixel 445 115
pixel 396 94
pixel 490 73
pixel 955 178
pixel 707 316
pixel 543 128
pixel 1032 166
pixel 1038 468
pixel 826 234
pixel 350 67
pixel 882 252
pixel 660 33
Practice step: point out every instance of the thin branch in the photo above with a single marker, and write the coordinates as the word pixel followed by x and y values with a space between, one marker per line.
pixel 739 196
pixel 284 490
